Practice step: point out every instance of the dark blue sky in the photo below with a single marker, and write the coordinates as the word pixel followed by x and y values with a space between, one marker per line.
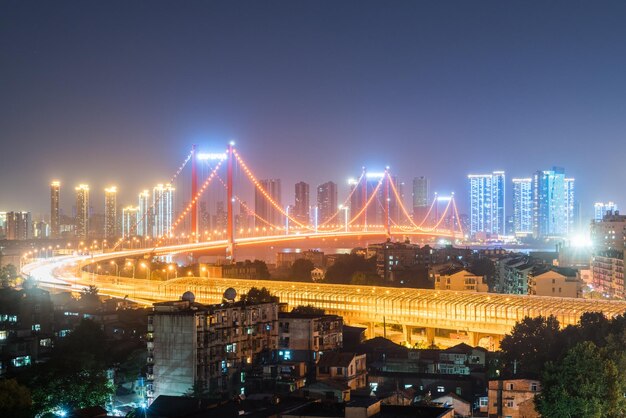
pixel 116 91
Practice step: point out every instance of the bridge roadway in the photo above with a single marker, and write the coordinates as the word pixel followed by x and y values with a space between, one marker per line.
pixel 475 314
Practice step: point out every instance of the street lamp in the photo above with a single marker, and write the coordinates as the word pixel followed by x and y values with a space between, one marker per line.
pixel 117 269
pixel 129 264
pixel 145 266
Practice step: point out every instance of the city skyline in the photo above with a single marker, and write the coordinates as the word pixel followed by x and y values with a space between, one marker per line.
pixel 304 91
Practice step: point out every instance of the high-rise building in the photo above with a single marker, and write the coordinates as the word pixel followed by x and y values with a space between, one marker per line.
pixel 553 203
pixel 570 206
pixel 221 217
pixel 262 206
pixel 327 202
pixel 163 207
pixel 110 212
pixel 55 216
pixel 375 213
pixel 421 199
pixel 523 206
pixel 82 210
pixel 600 209
pixel 144 217
pixel 301 207
pixel 487 203
pixel 19 225
pixel 130 220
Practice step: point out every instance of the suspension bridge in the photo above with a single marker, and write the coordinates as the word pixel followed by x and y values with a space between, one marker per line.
pixel 375 210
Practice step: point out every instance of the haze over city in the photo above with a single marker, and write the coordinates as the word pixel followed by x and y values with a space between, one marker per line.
pixel 114 93
pixel 341 209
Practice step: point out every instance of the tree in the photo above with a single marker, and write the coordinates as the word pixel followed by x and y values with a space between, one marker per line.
pixel 343 269
pixel 365 279
pixel 15 400
pixel 89 296
pixel 301 270
pixel 263 272
pixel 532 342
pixel 76 375
pixel 256 295
pixel 8 275
pixel 582 384
pixel 308 310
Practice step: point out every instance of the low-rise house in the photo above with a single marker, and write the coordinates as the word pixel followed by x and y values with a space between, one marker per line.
pixel 555 281
pixel 348 368
pixel 513 398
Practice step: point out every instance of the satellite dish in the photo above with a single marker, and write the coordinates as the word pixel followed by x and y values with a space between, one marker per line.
pixel 230 294
pixel 189 297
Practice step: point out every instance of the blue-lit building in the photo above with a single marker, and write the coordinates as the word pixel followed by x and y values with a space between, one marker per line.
pixel 523 206
pixel 487 203
pixel 553 206
pixel 163 207
pixel 600 209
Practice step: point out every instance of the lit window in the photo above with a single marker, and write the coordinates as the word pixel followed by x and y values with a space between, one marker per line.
pixel 441 389
pixel 36 327
pixel 3 335
pixel 287 355
pixel 45 342
pixel 21 361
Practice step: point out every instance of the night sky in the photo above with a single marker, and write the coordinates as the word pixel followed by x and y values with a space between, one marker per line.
pixel 117 91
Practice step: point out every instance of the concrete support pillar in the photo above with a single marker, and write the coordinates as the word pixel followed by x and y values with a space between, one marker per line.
pixel 371 330
pixel 474 338
pixel 408 334
pixel 430 336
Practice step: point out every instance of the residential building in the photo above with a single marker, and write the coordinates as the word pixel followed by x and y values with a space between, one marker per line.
pixel 26 329
pixel 523 206
pixel 421 200
pixel 513 274
pixel 210 345
pixel 609 233
pixel 144 217
pixel 301 337
pixel 460 279
pixel 268 214
pixel 163 209
pixel 55 214
pixel 600 209
pixel 18 225
pixel 555 281
pixel 487 203
pixel 301 207
pixel 392 256
pixel 347 368
pixel 513 398
pixel 110 212
pixel 553 203
pixel 327 203
pixel 82 211
pixel 608 273
pixel 285 259
pixel 130 220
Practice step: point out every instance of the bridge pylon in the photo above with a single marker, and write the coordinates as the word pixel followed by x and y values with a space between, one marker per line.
pixel 229 204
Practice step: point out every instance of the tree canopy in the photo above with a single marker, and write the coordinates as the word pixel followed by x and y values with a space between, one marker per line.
pixel 308 310
pixel 301 270
pixel 256 295
pixel 342 271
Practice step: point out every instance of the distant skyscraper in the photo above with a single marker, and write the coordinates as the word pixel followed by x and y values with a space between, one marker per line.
pixel 55 216
pixel 82 210
pixel 487 203
pixel 375 213
pixel 163 206
pixel 221 217
pixel 553 203
pixel 421 199
pixel 301 207
pixel 523 206
pixel 144 217
pixel 600 209
pixel 263 208
pixel 130 216
pixel 110 212
pixel 19 225
pixel 570 206
pixel 327 202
